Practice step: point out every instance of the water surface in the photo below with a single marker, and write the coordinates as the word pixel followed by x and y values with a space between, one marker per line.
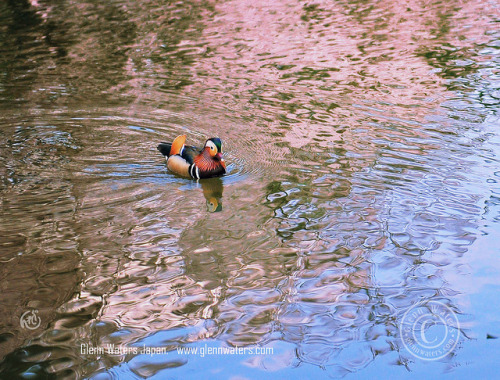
pixel 363 153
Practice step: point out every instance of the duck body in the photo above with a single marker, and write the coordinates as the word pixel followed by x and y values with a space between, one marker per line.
pixel 193 162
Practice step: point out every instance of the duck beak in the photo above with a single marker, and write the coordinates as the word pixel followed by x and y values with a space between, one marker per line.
pixel 218 156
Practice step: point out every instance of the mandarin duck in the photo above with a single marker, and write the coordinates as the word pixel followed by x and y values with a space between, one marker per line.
pixel 189 161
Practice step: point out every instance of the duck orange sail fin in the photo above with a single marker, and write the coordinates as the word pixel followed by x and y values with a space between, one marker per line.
pixel 177 145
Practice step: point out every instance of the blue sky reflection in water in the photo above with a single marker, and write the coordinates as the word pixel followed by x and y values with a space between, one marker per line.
pixel 363 155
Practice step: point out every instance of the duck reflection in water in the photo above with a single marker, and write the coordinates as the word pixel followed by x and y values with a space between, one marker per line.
pixel 212 191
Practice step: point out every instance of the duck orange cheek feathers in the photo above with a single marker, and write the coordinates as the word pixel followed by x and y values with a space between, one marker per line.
pixel 189 161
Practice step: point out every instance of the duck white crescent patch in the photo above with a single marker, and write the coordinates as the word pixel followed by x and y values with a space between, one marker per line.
pixel 194 171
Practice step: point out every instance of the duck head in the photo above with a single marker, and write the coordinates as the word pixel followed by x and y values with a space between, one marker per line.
pixel 213 147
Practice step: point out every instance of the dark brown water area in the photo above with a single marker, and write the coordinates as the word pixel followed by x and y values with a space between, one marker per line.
pixel 363 150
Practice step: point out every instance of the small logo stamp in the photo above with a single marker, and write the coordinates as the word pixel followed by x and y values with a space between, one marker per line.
pixel 30 320
pixel 429 330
